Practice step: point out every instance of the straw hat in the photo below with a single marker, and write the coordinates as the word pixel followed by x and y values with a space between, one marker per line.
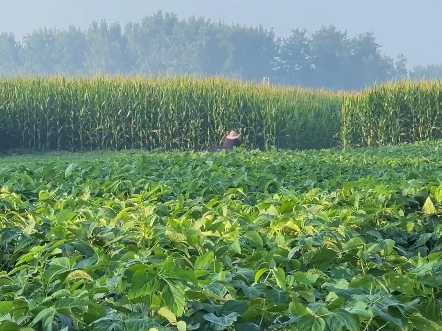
pixel 232 135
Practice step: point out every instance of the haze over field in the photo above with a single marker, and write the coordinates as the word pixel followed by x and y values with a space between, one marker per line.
pixel 399 27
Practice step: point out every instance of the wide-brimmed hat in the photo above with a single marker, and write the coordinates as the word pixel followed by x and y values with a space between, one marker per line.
pixel 232 135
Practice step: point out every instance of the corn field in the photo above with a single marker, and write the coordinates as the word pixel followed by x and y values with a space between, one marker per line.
pixel 78 114
pixel 392 114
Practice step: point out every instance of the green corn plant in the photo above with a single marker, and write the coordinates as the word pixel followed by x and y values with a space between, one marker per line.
pixel 392 114
pixel 79 114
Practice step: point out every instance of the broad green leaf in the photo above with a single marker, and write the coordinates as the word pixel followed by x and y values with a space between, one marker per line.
pixel 58 266
pixel 223 321
pixel 301 278
pixel 174 297
pixel 421 323
pixel 276 295
pixel 423 238
pixel 360 308
pixel 376 234
pixel 383 312
pixel 188 275
pixel 354 242
pixel 297 308
pixel 69 170
pixel 84 249
pixel 47 322
pixel 371 249
pixel 202 262
pixel 341 284
pixel 388 245
pixel 342 318
pixel 43 315
pixel 246 327
pixel 361 282
pixel 9 326
pixel 259 273
pixel 309 296
pixel 49 172
pixel 24 259
pixel 254 238
pixel 5 306
pixel 438 194
pixel 235 306
pixel 280 278
pixel 5 280
pixel 65 215
pixel 44 195
pixel 335 302
pixel 311 323
pixel 400 283
pixel 323 255
pixel 143 283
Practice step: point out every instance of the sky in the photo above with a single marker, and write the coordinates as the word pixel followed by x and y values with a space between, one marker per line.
pixel 401 26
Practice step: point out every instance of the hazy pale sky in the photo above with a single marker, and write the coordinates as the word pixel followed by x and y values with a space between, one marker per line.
pixel 401 26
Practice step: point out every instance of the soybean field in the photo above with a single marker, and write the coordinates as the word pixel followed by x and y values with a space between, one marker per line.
pixel 338 240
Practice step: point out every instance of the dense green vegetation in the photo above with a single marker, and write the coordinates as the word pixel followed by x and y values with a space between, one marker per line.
pixel 46 114
pixel 78 114
pixel 329 240
pixel 163 44
pixel 392 114
pixel 317 240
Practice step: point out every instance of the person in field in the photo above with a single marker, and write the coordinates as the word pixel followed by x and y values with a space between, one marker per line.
pixel 232 140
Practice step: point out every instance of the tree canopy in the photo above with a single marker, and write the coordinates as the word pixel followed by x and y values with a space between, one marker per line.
pixel 163 44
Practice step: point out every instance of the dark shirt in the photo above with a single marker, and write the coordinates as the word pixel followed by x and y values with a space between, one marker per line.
pixel 230 143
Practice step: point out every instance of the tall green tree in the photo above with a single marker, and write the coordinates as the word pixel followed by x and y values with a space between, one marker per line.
pixel 366 63
pixel 10 55
pixel 163 44
pixel 70 52
pixel 39 52
pixel 251 52
pixel 330 49
pixel 152 43
pixel 293 64
pixel 428 72
pixel 214 52
pixel 107 50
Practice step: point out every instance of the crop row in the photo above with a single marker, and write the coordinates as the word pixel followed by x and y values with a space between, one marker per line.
pixel 115 113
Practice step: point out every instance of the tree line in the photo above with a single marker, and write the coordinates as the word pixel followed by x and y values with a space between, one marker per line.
pixel 163 44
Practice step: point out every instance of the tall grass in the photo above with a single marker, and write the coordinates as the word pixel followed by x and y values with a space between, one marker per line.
pixel 46 114
pixel 392 114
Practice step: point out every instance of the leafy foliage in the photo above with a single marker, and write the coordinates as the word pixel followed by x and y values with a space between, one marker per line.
pixel 163 44
pixel 318 240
